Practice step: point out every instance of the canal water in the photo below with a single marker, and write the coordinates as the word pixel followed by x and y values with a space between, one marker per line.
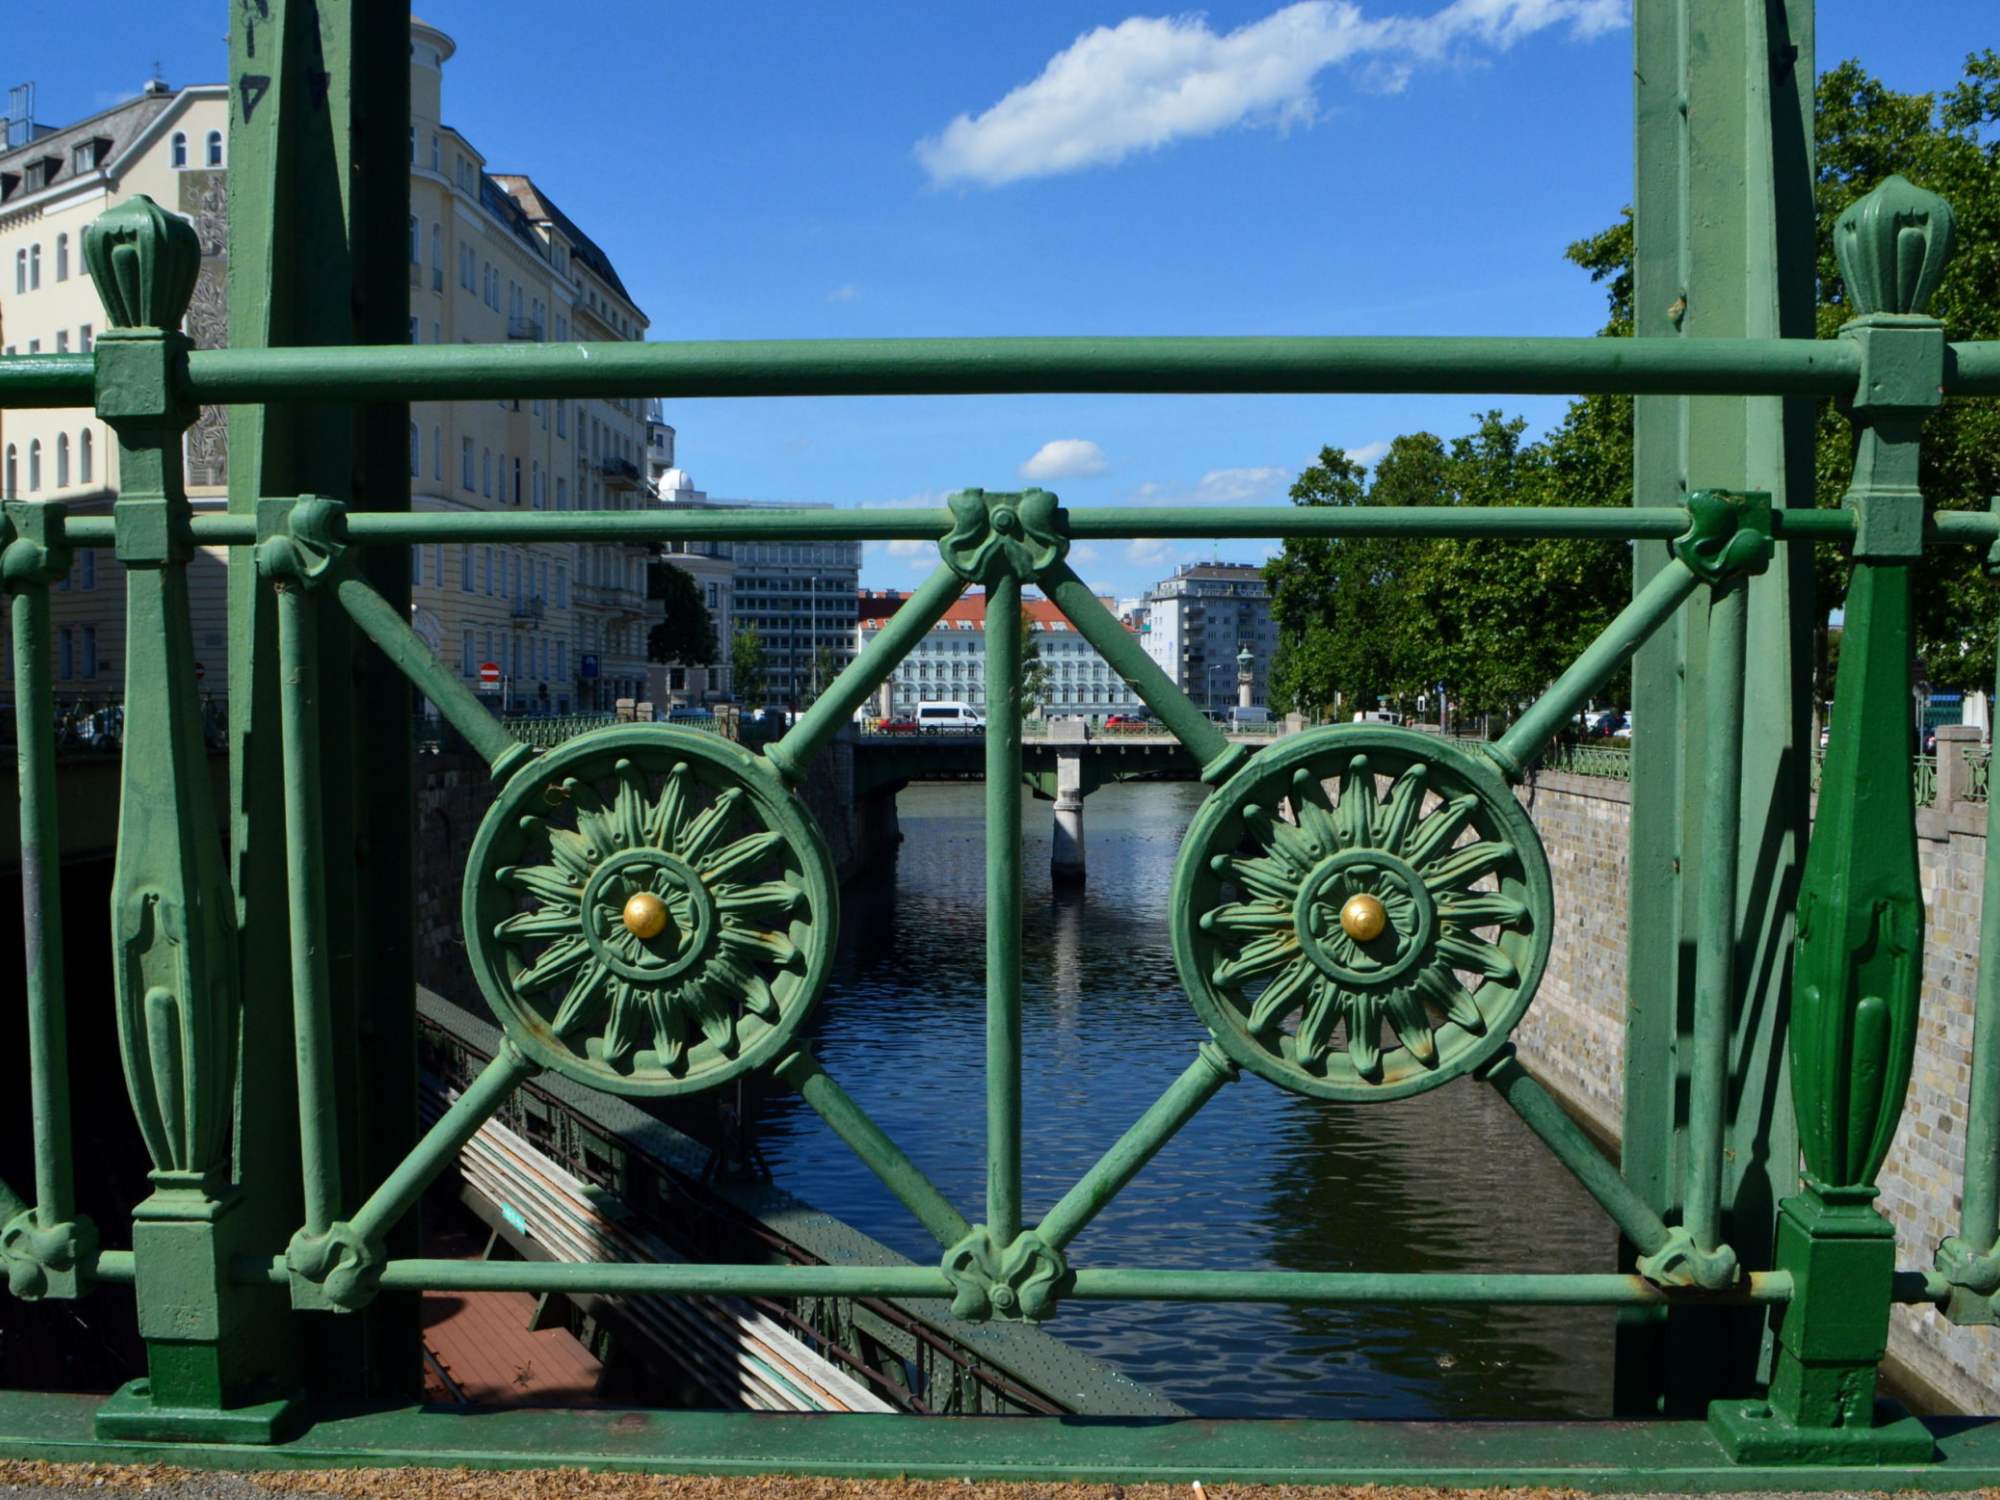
pixel 1260 1179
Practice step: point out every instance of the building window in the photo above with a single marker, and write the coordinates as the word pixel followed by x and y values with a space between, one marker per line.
pixel 465 464
pixel 62 257
pixel 486 572
pixel 34 270
pixel 416 452
pixel 13 472
pixel 62 460
pixel 517 481
pixel 34 465
pixel 437 257
pixel 466 665
pixel 437 454
pixel 416 243
pixel 562 493
pixel 535 484
pixel 179 150
pixel 437 563
pixel 66 665
pixel 62 341
pixel 215 148
pixel 20 274
pixel 562 587
pixel 434 151
pixel 486 472
pixel 89 560
pixel 465 567
pixel 85 340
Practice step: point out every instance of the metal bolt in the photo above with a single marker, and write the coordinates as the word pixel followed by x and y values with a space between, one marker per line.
pixel 1363 917
pixel 645 915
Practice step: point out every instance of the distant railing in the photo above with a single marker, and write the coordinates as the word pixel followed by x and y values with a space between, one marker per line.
pixel 546 731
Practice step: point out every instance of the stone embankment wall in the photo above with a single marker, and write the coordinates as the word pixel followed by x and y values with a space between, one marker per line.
pixel 453 794
pixel 1574 1035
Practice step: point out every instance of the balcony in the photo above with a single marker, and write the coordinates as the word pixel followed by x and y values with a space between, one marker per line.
pixel 529 329
pixel 619 473
pixel 528 609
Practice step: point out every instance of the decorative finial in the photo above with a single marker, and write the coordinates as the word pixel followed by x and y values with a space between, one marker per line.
pixel 145 262
pixel 1892 246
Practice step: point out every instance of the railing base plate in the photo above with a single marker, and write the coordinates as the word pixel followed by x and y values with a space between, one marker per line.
pixel 130 1416
pixel 1751 1433
pixel 1626 1457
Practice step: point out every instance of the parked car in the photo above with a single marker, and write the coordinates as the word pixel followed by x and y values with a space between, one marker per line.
pixel 1378 716
pixel 1130 721
pixel 689 713
pixel 896 724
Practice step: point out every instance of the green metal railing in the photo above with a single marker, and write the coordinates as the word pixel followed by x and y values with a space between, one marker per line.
pixel 1359 913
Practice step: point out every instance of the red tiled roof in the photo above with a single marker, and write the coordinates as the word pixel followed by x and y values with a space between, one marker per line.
pixel 876 606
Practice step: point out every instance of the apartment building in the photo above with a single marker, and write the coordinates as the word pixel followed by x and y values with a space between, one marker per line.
pixel 1200 621
pixel 491 257
pixel 169 144
pixel 949 663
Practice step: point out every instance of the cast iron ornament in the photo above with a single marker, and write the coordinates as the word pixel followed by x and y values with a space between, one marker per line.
pixel 649 911
pixel 1315 910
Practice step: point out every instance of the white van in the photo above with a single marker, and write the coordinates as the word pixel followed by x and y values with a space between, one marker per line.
pixel 943 718
pixel 1378 716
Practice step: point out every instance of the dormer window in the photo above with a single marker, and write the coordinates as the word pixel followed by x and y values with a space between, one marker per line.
pixel 178 150
pixel 214 149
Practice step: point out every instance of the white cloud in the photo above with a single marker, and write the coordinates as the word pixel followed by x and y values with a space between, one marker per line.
pixel 1368 454
pixel 1065 458
pixel 910 547
pixel 1151 552
pixel 845 292
pixel 1083 552
pixel 1264 482
pixel 1152 80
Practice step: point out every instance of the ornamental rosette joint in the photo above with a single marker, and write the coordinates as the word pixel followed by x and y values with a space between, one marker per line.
pixel 34 546
pixel 995 535
pixel 336 1271
pixel 1680 1262
pixel 1728 535
pixel 1018 1284
pixel 47 1262
pixel 300 540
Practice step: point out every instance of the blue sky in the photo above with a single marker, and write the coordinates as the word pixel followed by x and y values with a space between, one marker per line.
pixel 931 167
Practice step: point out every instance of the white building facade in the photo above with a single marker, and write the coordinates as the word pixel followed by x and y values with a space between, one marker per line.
pixel 1200 621
pixel 949 663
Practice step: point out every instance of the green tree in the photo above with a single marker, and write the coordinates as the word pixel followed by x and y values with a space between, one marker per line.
pixel 686 636
pixel 825 667
pixel 748 666
pixel 1493 622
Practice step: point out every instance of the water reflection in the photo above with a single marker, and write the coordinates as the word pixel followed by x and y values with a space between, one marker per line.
pixel 1260 1179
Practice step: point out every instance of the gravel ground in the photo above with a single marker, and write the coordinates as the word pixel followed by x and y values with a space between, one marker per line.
pixel 157 1482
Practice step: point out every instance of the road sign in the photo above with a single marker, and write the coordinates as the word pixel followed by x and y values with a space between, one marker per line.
pixel 489 674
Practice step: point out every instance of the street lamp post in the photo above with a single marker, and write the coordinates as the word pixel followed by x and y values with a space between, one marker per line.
pixel 1213 668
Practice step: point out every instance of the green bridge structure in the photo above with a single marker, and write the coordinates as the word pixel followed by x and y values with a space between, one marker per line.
pixel 1359 913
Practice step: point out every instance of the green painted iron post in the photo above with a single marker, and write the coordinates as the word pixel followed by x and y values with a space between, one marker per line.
pixel 1723 248
pixel 319 198
pixel 173 916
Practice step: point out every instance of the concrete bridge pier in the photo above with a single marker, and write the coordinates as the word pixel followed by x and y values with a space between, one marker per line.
pixel 1066 851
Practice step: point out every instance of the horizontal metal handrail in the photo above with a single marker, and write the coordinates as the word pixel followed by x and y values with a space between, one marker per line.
pixel 1083 523
pixel 1001 366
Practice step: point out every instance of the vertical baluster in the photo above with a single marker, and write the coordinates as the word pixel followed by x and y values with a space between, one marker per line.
pixel 173 911
pixel 1003 908
pixel 1859 957
pixel 46 1247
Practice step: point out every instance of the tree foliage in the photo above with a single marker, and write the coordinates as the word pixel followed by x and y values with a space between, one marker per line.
pixel 748 666
pixel 1378 619
pixel 1034 671
pixel 686 636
